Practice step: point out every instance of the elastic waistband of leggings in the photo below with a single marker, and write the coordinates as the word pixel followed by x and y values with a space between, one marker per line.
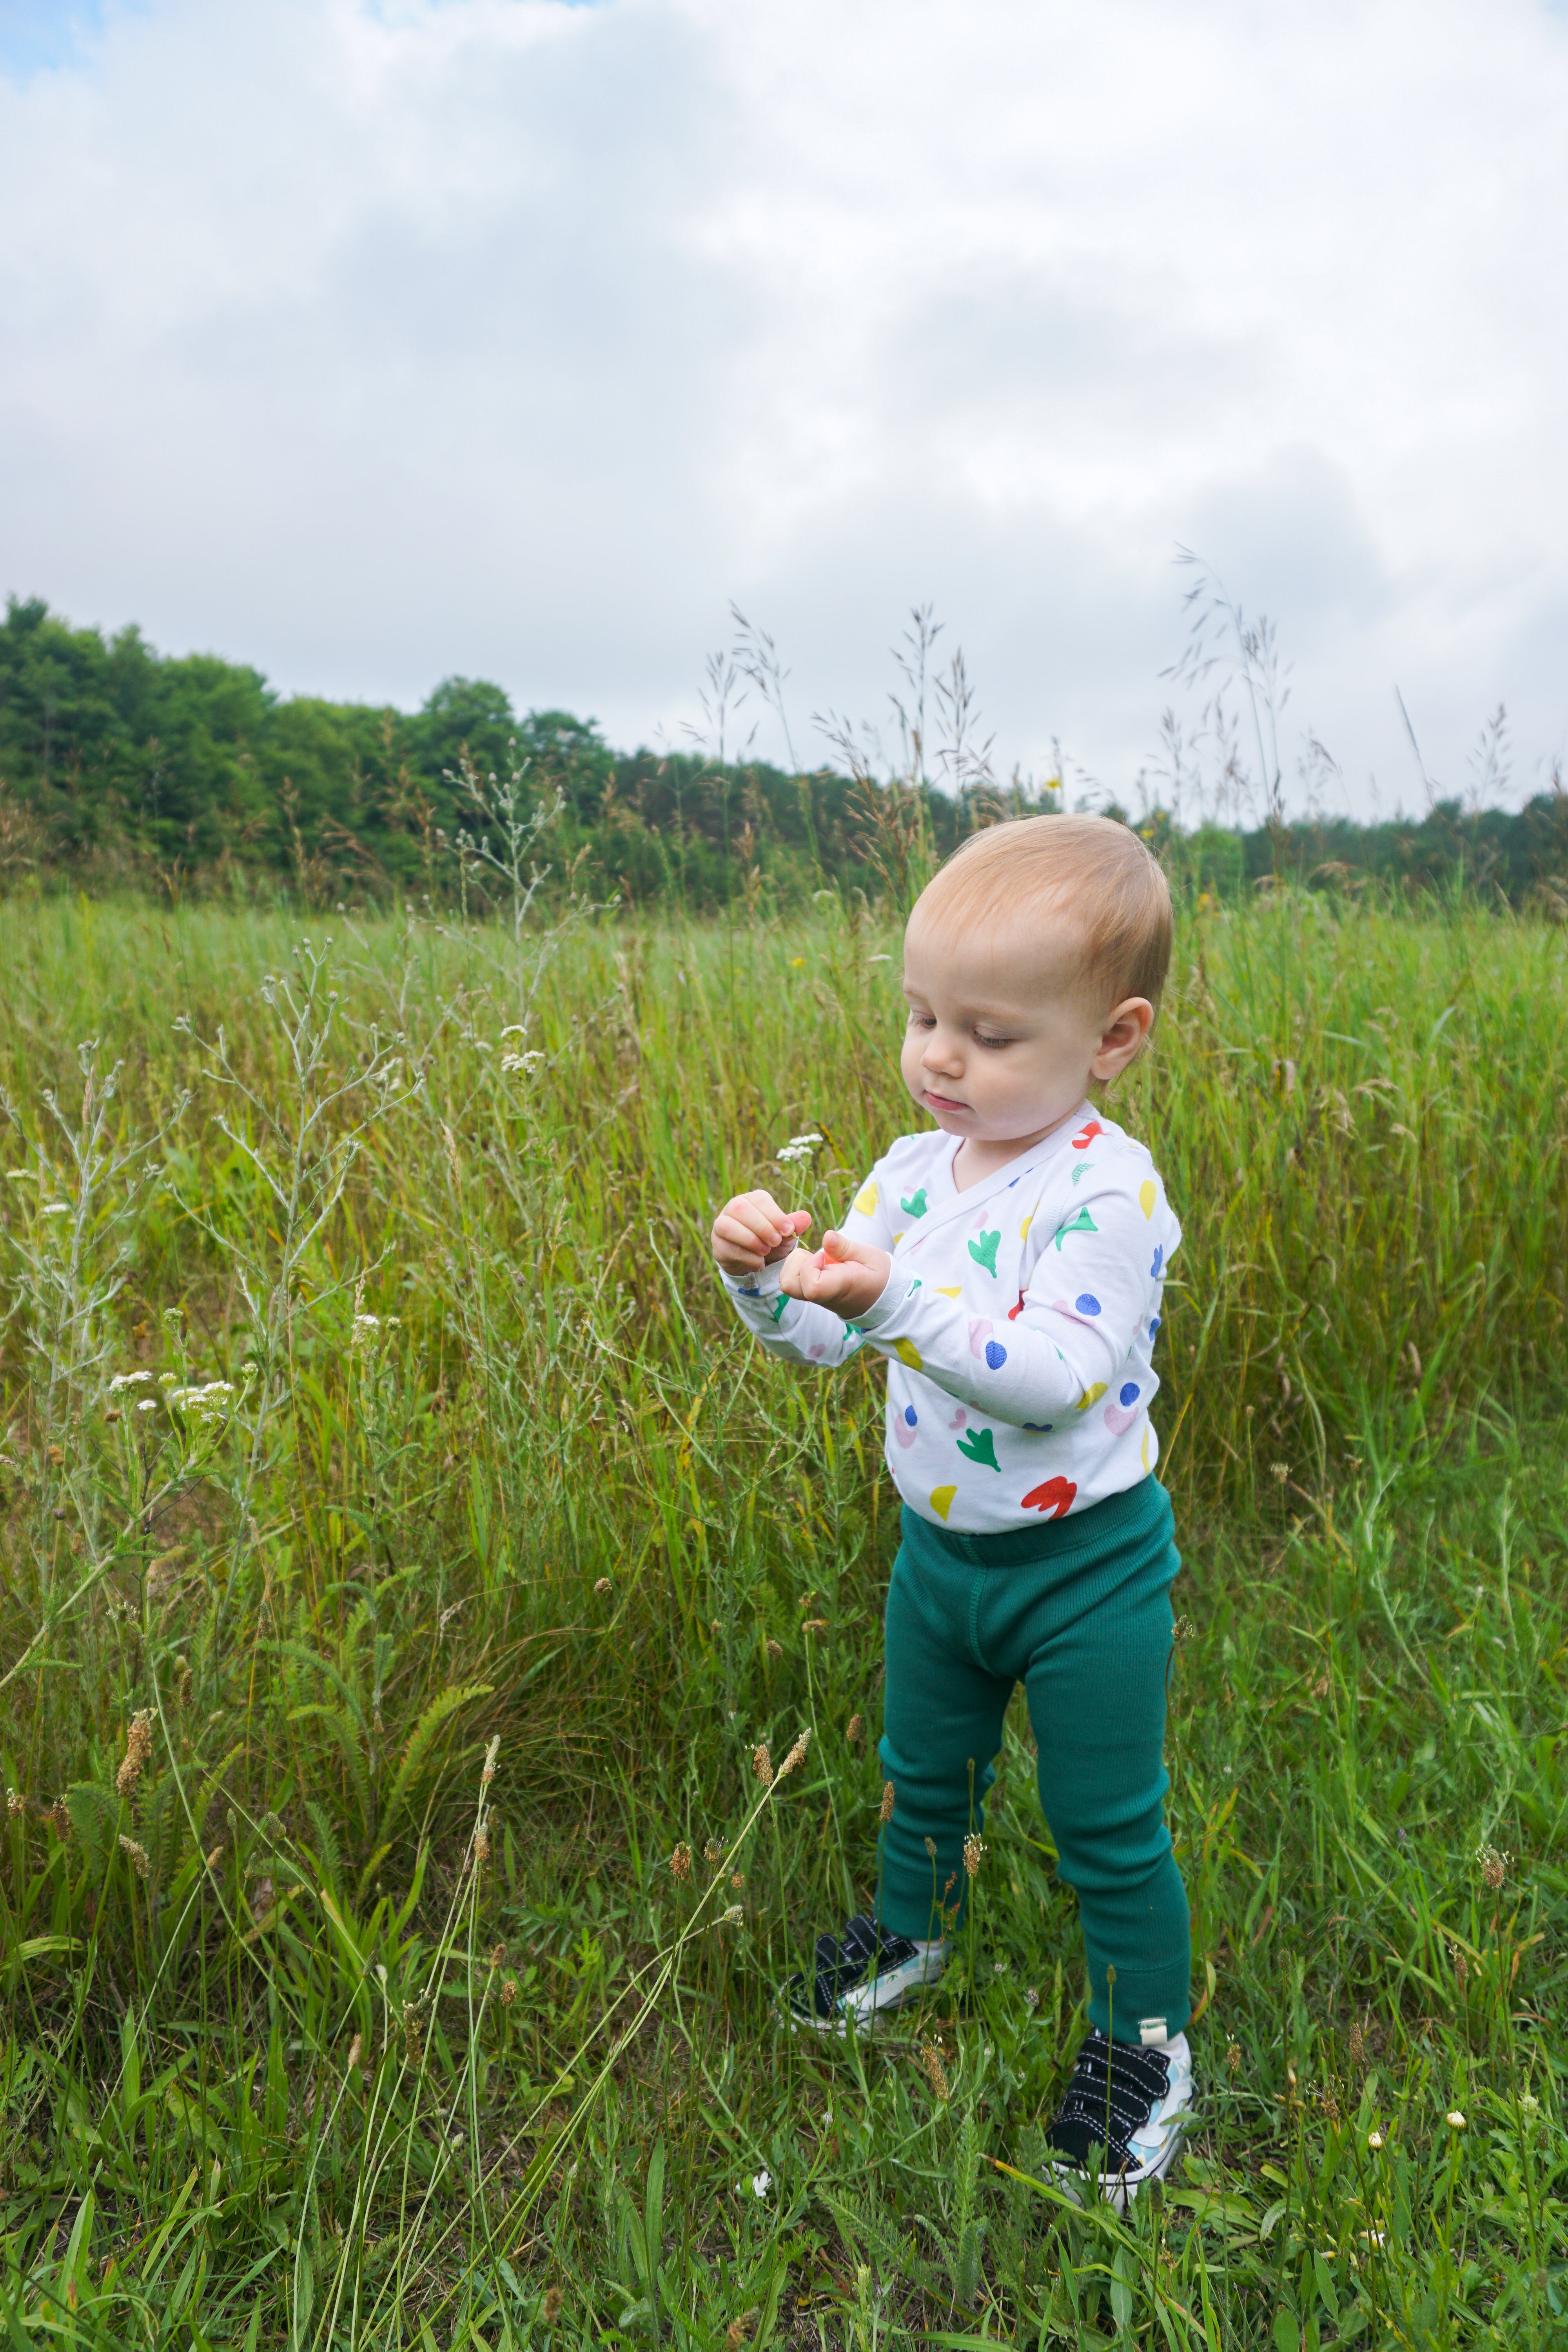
pixel 1139 1510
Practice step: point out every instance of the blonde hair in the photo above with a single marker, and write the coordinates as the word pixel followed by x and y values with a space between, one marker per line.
pixel 1095 872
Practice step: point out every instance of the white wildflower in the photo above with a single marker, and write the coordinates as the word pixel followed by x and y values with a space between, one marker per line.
pixel 368 1329
pixel 148 1404
pixel 761 2183
pixel 127 1380
pixel 798 1148
pixel 204 1403
pixel 522 1065
pixel 57 1209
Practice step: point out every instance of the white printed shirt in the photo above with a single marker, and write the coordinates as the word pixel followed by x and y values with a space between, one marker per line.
pixel 1018 1321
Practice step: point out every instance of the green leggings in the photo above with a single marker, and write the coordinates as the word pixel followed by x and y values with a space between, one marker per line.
pixel 1079 1611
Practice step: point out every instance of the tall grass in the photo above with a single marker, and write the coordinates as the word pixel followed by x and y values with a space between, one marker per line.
pixel 333 2021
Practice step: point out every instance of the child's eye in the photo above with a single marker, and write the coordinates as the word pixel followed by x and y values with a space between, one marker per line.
pixel 992 1042
pixel 922 1021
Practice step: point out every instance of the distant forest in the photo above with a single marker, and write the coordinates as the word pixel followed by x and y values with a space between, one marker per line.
pixel 123 768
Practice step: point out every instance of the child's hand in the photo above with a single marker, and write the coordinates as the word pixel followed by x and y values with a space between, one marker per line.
pixel 848 1276
pixel 752 1231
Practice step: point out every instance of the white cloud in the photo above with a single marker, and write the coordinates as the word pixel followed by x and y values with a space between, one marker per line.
pixel 370 344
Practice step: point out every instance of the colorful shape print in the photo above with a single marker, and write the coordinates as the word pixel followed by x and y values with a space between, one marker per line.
pixel 1120 1416
pixel 1055 1496
pixel 1091 1395
pixel 978 1445
pixel 866 1199
pixel 1082 1224
pixel 1159 1262
pixel 944 1291
pixel 941 1500
pixel 915 1206
pixel 979 1332
pixel 1086 1135
pixel 984 1251
pixel 904 1425
pixel 908 1353
pixel 1086 1303
pixel 1146 1196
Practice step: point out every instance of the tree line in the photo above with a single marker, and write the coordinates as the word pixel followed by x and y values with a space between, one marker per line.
pixel 120 767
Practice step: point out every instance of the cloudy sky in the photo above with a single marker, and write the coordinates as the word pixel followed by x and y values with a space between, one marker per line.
pixel 374 340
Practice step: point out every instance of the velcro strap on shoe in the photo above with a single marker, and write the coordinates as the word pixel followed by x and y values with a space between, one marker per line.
pixel 1115 2087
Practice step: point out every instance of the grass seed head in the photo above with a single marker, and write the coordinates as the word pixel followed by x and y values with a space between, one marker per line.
pixel 886 1811
pixel 680 1863
pixel 774 1649
pixel 1494 1864
pixel 855 1731
pixel 713 1854
pixel 138 1748
pixel 936 2072
pixel 137 1855
pixel 762 1764
pixel 796 1754
pixel 603 1586
pixel 355 2047
pixel 508 1992
pixel 550 2311
pixel 59 1813
pixel 492 1752
pixel 973 1854
pixel 482 1841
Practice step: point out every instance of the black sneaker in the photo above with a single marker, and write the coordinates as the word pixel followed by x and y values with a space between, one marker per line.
pixel 1120 2128
pixel 859 1975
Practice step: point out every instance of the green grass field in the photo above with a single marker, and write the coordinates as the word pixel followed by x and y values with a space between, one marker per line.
pixel 317 2034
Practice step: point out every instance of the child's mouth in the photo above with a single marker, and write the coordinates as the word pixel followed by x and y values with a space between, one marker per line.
pixel 943 1102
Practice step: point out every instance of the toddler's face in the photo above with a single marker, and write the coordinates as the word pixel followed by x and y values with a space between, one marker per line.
pixel 1001 1045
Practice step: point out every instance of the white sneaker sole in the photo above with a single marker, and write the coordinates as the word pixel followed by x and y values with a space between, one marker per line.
pixel 1120 2190
pixel 858 2010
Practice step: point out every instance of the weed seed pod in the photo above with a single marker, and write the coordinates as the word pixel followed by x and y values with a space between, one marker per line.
pixel 138 1748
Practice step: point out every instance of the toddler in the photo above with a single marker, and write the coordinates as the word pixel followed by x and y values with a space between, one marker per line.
pixel 1008 1263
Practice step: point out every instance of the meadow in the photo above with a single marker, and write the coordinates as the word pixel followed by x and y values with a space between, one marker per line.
pixel 413 1584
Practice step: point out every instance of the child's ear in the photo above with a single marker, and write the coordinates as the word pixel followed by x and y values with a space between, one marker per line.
pixel 1123 1036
